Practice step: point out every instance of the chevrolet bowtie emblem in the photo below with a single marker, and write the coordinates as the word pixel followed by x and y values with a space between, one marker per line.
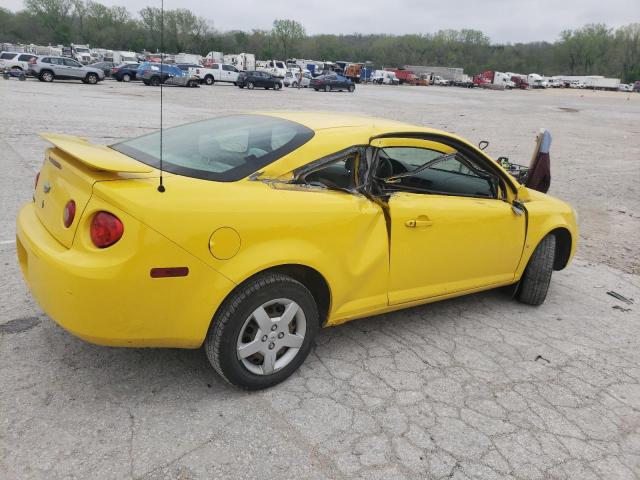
pixel 46 187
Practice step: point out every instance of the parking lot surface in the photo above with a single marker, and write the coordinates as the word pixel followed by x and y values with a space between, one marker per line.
pixel 476 387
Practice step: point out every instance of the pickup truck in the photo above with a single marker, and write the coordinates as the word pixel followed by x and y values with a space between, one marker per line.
pixel 217 72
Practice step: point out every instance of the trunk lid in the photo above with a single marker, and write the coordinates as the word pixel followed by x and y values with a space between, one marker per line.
pixel 69 172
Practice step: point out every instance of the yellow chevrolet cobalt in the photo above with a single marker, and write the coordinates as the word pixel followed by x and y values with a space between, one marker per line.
pixel 271 226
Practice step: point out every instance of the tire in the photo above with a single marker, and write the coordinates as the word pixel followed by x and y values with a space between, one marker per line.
pixel 154 81
pixel 126 77
pixel 316 89
pixel 91 78
pixel 240 86
pixel 294 84
pixel 352 88
pixel 534 284
pixel 327 88
pixel 191 84
pixel 250 85
pixel 277 86
pixel 208 80
pixel 46 76
pixel 146 82
pixel 234 323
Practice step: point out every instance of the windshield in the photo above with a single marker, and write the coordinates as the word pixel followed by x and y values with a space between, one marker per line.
pixel 223 149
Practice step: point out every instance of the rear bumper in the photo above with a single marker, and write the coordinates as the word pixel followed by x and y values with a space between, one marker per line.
pixel 107 297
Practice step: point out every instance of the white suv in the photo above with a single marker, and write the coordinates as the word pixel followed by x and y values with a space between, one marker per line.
pixel 15 60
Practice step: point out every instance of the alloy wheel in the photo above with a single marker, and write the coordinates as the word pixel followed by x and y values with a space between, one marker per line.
pixel 271 336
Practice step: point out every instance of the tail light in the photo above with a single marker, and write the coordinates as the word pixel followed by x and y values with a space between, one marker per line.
pixel 69 213
pixel 106 229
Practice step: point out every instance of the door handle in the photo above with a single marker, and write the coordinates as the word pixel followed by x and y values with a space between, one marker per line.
pixel 418 223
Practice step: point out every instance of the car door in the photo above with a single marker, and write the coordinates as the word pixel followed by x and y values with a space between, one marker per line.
pixel 452 226
pixel 73 69
pixel 229 73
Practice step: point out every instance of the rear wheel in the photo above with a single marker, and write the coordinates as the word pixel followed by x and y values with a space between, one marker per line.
pixel 294 84
pixel 250 85
pixel 155 81
pixel 91 78
pixel 327 88
pixel 277 86
pixel 208 80
pixel 126 77
pixel 534 284
pixel 192 84
pixel 46 76
pixel 352 88
pixel 263 331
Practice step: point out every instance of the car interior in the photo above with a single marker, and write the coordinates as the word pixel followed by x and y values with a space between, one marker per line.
pixel 410 169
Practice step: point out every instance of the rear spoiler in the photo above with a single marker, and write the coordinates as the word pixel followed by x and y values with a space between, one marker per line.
pixel 97 157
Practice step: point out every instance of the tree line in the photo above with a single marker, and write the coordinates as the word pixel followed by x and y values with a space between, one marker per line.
pixel 594 49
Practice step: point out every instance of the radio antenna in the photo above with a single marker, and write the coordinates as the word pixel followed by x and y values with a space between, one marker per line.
pixel 161 186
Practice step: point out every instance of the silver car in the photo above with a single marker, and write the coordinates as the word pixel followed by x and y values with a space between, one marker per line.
pixel 63 68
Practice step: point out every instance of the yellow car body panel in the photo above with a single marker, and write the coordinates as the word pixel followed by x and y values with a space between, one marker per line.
pixel 372 260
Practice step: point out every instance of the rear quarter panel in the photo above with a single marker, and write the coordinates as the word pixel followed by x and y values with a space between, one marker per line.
pixel 341 236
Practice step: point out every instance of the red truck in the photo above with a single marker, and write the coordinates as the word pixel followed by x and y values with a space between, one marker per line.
pixel 406 76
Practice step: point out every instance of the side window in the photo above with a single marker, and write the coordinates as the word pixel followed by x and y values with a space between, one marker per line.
pixel 71 63
pixel 8 56
pixel 25 58
pixel 422 170
pixel 228 68
pixel 215 66
pixel 57 61
pixel 340 173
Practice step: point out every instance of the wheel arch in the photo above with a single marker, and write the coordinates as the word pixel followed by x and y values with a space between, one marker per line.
pixel 311 278
pixel 564 242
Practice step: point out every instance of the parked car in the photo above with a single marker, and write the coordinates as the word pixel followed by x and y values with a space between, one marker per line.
pixel 332 81
pixel 273 226
pixel 125 72
pixel 16 61
pixel 254 78
pixel 625 87
pixel 292 78
pixel 169 75
pixel 104 66
pixel 63 68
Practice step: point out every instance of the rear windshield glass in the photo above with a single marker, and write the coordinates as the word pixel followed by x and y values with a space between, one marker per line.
pixel 223 149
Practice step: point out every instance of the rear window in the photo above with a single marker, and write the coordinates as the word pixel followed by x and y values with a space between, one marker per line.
pixel 223 149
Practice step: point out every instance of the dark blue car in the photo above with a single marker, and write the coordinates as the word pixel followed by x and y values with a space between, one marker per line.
pixel 125 72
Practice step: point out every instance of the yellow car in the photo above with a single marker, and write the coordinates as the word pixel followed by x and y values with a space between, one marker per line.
pixel 266 227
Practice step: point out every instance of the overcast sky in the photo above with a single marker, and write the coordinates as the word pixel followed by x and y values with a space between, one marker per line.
pixel 503 20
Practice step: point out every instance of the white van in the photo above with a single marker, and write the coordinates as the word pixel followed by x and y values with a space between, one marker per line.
pixel 385 77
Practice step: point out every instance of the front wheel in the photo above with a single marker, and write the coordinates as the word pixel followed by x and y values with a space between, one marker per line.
pixel 263 331
pixel 208 80
pixel 534 284
pixel 277 86
pixel 250 85
pixel 92 78
pixel 352 88
pixel 155 81
pixel 327 88
pixel 126 77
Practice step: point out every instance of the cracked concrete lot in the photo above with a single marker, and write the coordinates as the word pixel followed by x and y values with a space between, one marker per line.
pixel 479 387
